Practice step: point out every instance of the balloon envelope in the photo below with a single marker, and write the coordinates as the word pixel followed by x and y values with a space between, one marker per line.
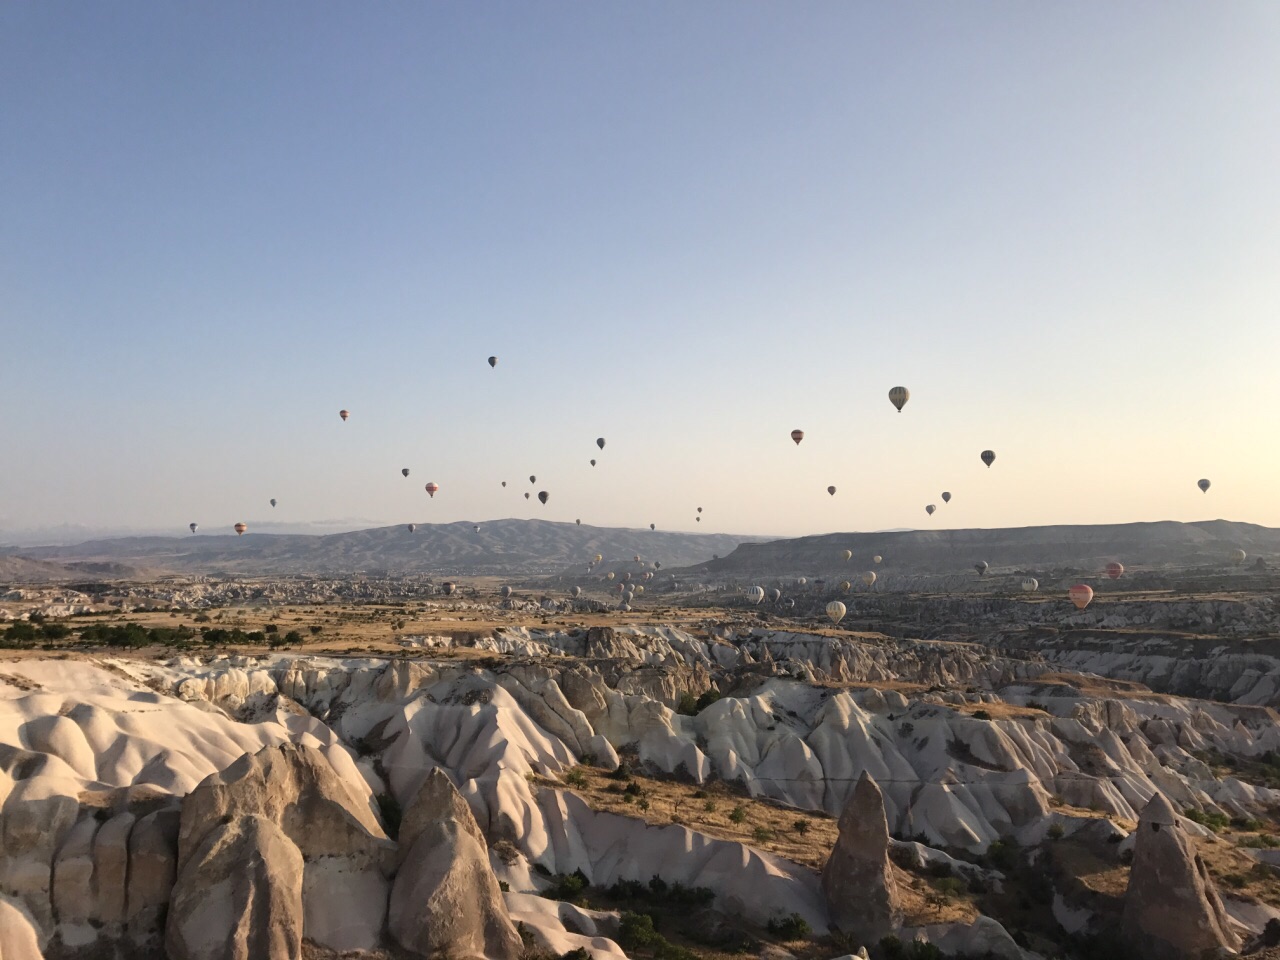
pixel 431 489
pixel 533 479
pixel 946 497
pixel 988 457
pixel 575 592
pixel 610 575
pixel 273 501
pixel 405 473
pixel 1080 595
pixel 493 361
pixel 775 595
pixel 448 588
pixel 413 527
pixel 344 414
pixel 194 527
pixel 899 396
pixel 846 586
pixel 544 496
pixel 831 490
pixel 1030 585
pixel 600 442
pixel 848 555
pixel 1115 570
pixel 877 558
pixel 869 577
pixel 593 463
pixel 755 594
pixel 1237 555
pixel 797 435
pixel 1204 486
pixel 505 591
pixel 240 528
pixel 981 567
pixel 526 496
pixel 835 611
pixel 929 509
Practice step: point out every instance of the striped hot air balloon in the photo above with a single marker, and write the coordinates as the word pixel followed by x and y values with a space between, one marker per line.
pixel 899 396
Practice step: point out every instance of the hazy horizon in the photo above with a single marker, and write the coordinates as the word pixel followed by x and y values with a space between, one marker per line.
pixel 687 229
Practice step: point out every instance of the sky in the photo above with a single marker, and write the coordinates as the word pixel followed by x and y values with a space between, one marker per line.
pixel 689 228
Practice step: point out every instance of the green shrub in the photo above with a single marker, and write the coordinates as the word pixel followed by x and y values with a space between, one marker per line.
pixel 575 778
pixel 793 927
pixel 801 827
pixel 1003 854
pixel 738 814
pixel 636 930
pixel 687 704
pixel 504 886
pixel 1056 831
pixel 762 834
pixel 981 715
pixel 1217 822
pixel 566 886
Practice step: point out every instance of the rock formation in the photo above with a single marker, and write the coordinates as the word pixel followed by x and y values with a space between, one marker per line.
pixel 858 879
pixel 1171 909
pixel 445 898
pixel 239 896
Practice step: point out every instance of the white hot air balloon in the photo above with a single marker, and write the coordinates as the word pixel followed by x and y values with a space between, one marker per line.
pixel 869 578
pixel 194 527
pixel 755 594
pixel 1030 585
pixel 1237 555
pixel 835 610
pixel 877 558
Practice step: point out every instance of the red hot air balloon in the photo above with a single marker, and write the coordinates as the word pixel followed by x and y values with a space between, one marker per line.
pixel 431 489
pixel 344 414
pixel 1080 595
pixel 797 436
pixel 1115 570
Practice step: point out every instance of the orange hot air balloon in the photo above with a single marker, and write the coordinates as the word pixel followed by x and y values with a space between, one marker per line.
pixel 344 414
pixel 1115 570
pixel 797 436
pixel 431 489
pixel 240 528
pixel 1080 595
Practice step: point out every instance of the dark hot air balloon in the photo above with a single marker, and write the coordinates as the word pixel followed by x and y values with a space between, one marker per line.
pixel 831 490
pixel 493 361
pixel 404 472
pixel 413 527
pixel 1203 485
pixel 344 414
pixel 273 501
pixel 988 457
pixel 544 496
pixel 194 527
pixel 600 442
pixel 797 436
pixel 929 509
pixel 899 396
pixel 946 497
pixel 240 528
pixel 981 567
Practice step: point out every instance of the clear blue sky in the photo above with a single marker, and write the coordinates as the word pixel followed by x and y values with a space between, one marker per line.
pixel 687 227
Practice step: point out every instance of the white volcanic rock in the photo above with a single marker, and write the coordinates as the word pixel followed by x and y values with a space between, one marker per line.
pixel 238 895
pixel 19 934
pixel 445 900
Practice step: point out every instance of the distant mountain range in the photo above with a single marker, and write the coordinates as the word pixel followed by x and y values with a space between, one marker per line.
pixel 498 547
pixel 1162 544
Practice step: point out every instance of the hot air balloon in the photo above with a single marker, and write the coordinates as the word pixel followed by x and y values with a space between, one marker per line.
pixel 593 463
pixel 405 472
pixel 1203 485
pixel 981 567
pixel 699 509
pixel 657 565
pixel 600 442
pixel 1080 595
pixel 1237 555
pixel 755 594
pixel 899 396
pixel 929 509
pixel 493 361
pixel 652 527
pixel 797 436
pixel 835 610
pixel 789 604
pixel 869 578
pixel 526 496
pixel 1115 570
pixel 848 555
pixel 240 528
pixel 273 501
pixel 599 557
pixel 506 592
pixel 194 527
pixel 448 587
pixel 946 497
pixel 626 578
pixel 344 414
pixel 431 489
pixel 802 581
pixel 698 519
pixel 413 527
pixel 625 608
pixel 636 558
pixel 639 589
pixel 1030 584
pixel 544 496
pixel 504 483
pixel 578 522
pixel 610 575
pixel 575 592
pixel 988 457
pixel 846 586
pixel 475 529
pixel 533 479
pixel 831 490
pixel 877 558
